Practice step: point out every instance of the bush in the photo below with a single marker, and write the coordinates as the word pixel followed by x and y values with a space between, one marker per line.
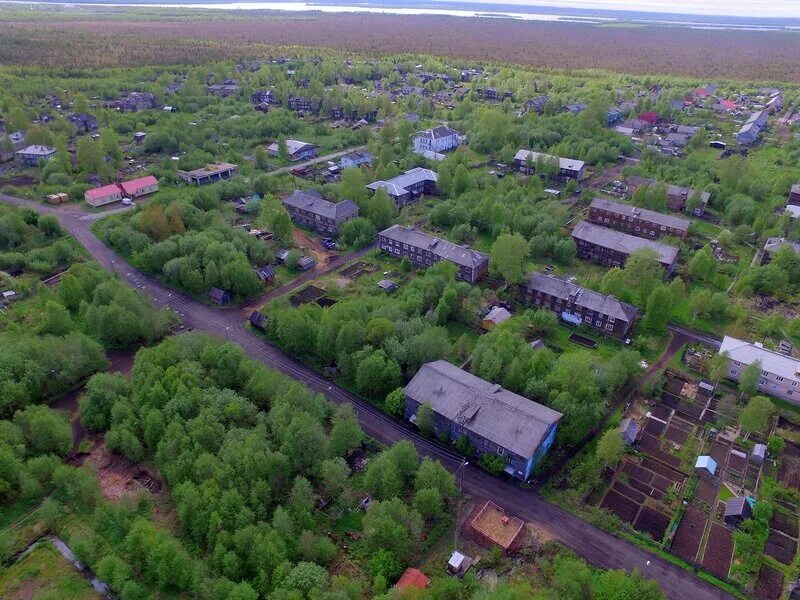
pixel 492 463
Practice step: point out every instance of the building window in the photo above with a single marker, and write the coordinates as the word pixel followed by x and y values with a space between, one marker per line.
pixel 762 381
pixel 500 450
pixel 774 387
pixel 737 363
pixel 733 372
pixel 609 327
pixel 764 373
pixel 779 378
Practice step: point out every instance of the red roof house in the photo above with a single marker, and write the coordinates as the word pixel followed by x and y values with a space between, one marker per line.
pixel 413 578
pixel 102 195
pixel 139 187
pixel 728 104
pixel 649 117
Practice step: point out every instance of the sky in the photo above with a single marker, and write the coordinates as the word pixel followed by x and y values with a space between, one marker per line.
pixel 739 8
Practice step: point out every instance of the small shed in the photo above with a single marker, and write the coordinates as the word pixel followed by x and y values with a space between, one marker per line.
pixel 306 263
pixel 538 344
pixel 387 285
pixel 413 578
pixel 494 317
pixel 139 136
pixel 219 296
pixel 266 274
pixel 281 256
pixel 258 320
pixel 759 454
pixel 736 511
pixel 705 466
pixel 458 564
pixel 629 429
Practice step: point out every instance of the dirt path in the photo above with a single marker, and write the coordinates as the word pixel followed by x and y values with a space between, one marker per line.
pixel 313 246
pixel 121 362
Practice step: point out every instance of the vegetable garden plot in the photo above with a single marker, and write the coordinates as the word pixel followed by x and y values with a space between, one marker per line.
pixel 625 508
pixel 676 435
pixel 719 551
pixel 780 547
pixel 652 522
pixel 769 585
pixel 784 522
pixel 629 492
pixel 654 427
pixel 689 534
pixel 706 492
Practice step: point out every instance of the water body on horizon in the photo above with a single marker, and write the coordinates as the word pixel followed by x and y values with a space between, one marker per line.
pixel 516 11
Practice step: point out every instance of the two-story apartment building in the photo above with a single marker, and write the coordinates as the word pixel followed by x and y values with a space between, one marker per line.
pixel 137 101
pixel 303 104
pixel 263 97
pixel 495 420
pixel 425 250
pixel 355 159
pixel 677 196
pixel 612 248
pixel 575 304
pixel 84 122
pixel 568 168
pixel 309 208
pixel 636 221
pixel 32 156
pixel 780 374
pixel 407 187
pixel 296 150
pixel 439 139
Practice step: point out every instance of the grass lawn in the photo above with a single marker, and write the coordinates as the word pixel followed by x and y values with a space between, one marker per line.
pixel 724 493
pixel 44 573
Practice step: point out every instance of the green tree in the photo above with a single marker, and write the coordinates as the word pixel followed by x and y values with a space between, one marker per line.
pixel 56 319
pixel 643 272
pixel 610 447
pixel 756 416
pixel 748 379
pixel 425 420
pixel 261 159
pixel 346 433
pixel 395 403
pixel 509 253
pixel 658 307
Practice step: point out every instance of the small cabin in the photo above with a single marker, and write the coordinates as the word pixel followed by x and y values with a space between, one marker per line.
pixel 705 466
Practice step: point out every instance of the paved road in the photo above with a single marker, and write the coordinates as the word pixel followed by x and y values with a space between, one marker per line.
pixel 594 545
pixel 316 160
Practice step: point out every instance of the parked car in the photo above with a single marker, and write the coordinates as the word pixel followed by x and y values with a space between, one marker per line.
pixel 127 201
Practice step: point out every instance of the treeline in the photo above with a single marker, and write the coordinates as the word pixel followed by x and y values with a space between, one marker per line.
pixel 375 341
pixel 248 454
pixel 578 384
pixel 34 242
pixel 189 244
pixel 89 312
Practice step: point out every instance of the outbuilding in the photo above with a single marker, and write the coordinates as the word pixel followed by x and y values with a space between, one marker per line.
pixel 736 511
pixel 705 466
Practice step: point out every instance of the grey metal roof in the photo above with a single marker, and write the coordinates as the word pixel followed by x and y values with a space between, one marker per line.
pixel 774 244
pixel 37 150
pixel 485 408
pixel 292 146
pixel 442 131
pixel 622 242
pixel 442 248
pixel 771 361
pixel 735 507
pixel 643 213
pixel 396 186
pixel 568 164
pixel 320 206
pixel 588 299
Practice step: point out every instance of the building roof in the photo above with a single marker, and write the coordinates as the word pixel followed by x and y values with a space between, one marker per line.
pixel 774 244
pixel 497 315
pixel 502 417
pixel 129 187
pixel 318 205
pixel 396 186
pixel 387 284
pixel 586 298
pixel 442 248
pixel 413 578
pixel 643 213
pixel 37 150
pixel 358 155
pixel 292 146
pixel 737 507
pixel 103 191
pixel 567 164
pixel 218 294
pixel 442 131
pixel 622 242
pixel 706 462
pixel 210 169
pixel 771 361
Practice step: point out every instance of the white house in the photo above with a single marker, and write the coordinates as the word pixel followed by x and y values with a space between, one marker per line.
pixel 439 139
pixel 780 374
